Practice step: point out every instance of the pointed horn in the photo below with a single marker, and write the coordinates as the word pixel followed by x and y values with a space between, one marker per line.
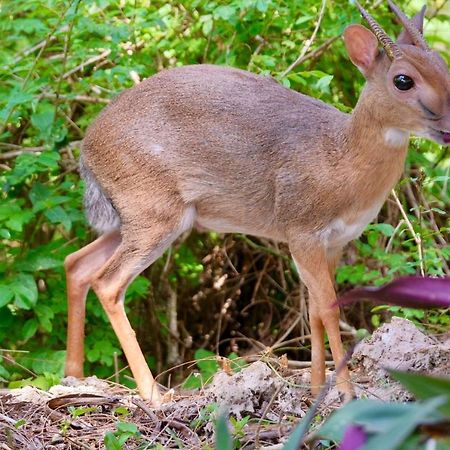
pixel 415 34
pixel 392 49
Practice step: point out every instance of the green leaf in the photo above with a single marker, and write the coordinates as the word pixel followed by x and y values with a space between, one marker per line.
pixel 374 415
pixel 43 119
pixel 304 19
pixel 29 329
pixel 223 437
pixel 206 361
pixel 384 228
pixel 122 411
pixel 237 363
pixel 4 233
pixel 25 291
pixel 425 386
pixel 207 24
pixel 193 381
pixel 48 362
pixel 59 215
pixel 49 160
pixel 111 442
pixel 401 427
pixel 6 294
pixel 262 5
pixel 323 84
pixel 297 436
pixel 127 427
pixel 38 262
pixel 4 374
pixel 224 12
pixel 14 216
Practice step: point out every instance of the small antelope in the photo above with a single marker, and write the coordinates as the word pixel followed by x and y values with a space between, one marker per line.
pixel 231 151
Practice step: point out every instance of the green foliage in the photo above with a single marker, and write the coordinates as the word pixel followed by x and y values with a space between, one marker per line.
pixel 223 436
pixel 81 410
pixel 208 366
pixel 426 387
pixel 61 62
pixel 207 414
pixel 118 439
pixel 207 363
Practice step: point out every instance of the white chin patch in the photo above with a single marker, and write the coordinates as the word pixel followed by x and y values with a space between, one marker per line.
pixel 157 149
pixel 395 137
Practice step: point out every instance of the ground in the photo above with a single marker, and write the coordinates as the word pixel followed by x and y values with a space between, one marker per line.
pixel 265 401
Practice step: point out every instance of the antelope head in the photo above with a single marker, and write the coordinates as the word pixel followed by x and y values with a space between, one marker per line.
pixel 409 79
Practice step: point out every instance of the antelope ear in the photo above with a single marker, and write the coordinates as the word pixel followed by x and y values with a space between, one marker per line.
pixel 417 20
pixel 362 47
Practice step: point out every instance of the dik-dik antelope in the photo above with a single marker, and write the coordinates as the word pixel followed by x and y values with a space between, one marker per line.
pixel 232 151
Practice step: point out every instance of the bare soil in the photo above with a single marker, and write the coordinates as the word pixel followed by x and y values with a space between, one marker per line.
pixel 265 399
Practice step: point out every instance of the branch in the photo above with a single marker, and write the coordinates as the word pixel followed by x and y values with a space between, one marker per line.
pixel 308 42
pixel 78 98
pixel 416 237
pixel 88 62
pixel 20 150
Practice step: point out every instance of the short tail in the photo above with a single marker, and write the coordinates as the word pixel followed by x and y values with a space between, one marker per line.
pixel 100 212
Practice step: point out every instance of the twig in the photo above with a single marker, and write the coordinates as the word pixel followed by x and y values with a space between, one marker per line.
pixel 7 419
pixel 273 447
pixel 434 225
pixel 173 338
pixel 116 367
pixel 261 248
pixel 173 354
pixel 288 331
pixel 264 414
pixel 291 364
pixel 416 237
pixel 259 279
pixel 77 98
pixel 445 184
pixel 174 423
pixel 140 404
pixel 88 62
pixel 308 42
pixel 391 239
pixel 20 150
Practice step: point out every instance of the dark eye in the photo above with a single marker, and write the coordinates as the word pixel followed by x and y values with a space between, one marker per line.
pixel 403 82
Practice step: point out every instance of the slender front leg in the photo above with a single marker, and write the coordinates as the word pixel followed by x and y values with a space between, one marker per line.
pixel 315 269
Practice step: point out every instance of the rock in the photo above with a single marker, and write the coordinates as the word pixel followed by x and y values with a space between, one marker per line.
pixel 252 389
pixel 401 345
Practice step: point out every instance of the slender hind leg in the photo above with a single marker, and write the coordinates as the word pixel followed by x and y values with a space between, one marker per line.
pixel 316 270
pixel 143 241
pixel 79 268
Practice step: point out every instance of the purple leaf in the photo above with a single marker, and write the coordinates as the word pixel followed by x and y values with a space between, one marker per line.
pixel 354 438
pixel 411 292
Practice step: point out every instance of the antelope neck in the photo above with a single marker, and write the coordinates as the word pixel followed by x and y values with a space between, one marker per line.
pixel 368 130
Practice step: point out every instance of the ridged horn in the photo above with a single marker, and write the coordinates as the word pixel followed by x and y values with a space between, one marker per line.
pixel 392 49
pixel 415 34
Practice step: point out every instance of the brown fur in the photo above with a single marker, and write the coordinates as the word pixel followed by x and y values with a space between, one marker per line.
pixel 237 152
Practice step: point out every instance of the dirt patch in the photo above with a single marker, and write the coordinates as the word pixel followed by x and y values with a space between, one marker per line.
pixel 400 345
pixel 266 401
